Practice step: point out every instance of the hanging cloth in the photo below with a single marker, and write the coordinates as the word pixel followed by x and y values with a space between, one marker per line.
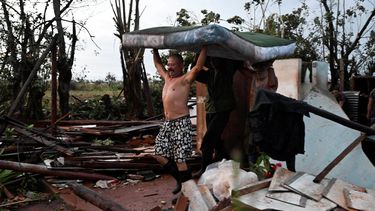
pixel 276 125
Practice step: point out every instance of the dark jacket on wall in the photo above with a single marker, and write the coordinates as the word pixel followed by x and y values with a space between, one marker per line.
pixel 276 125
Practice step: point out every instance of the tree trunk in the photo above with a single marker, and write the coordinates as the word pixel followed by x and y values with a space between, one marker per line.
pixel 64 64
pixel 131 60
pixel 331 45
pixel 147 94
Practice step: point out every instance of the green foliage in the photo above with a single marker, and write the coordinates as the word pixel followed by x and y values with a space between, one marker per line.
pixel 210 17
pixel 262 166
pixel 98 85
pixel 96 108
pixel 156 87
pixel 110 79
pixel 237 20
pixel 28 183
pixel 7 175
pixel 8 133
pixel 184 19
pixel 106 142
pixel 6 94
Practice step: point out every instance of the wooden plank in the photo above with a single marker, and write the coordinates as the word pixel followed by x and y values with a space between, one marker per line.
pixel 135 128
pixel 257 200
pixel 44 141
pixel 112 164
pixel 302 183
pixel 335 191
pixel 190 190
pixel 251 187
pixel 182 203
pixel 280 176
pixel 207 196
pixel 223 205
pixel 288 197
pixel 341 156
pixel 359 200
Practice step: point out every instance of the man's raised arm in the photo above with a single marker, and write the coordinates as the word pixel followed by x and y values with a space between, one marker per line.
pixel 158 63
pixel 192 74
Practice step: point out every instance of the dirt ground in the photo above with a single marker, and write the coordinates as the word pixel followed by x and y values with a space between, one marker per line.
pixel 138 197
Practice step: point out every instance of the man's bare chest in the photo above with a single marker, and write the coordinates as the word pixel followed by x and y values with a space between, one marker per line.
pixel 175 87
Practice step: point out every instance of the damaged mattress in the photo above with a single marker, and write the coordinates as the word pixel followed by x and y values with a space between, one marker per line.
pixel 221 42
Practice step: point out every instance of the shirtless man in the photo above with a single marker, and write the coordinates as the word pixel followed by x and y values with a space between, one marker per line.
pixel 173 144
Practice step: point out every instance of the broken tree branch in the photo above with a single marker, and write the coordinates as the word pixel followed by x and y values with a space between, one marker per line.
pixel 44 141
pixel 39 169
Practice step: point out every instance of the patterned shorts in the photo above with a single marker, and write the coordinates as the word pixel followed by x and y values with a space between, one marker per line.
pixel 175 139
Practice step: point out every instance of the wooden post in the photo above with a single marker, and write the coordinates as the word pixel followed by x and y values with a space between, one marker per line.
pixel 54 88
pixel 342 75
pixel 201 114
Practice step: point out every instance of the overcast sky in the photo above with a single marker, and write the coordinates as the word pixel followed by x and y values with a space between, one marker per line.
pixel 96 63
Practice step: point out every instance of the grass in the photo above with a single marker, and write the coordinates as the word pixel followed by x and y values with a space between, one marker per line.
pixel 84 91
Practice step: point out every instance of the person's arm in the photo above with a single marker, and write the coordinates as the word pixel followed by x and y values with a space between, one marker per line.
pixel 192 74
pixel 246 69
pixel 369 106
pixel 273 82
pixel 158 64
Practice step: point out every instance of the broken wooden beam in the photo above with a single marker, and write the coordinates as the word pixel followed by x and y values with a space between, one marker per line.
pixel 112 156
pixel 341 156
pixel 114 149
pixel 182 203
pixel 39 169
pixel 251 187
pixel 191 191
pixel 112 123
pixel 95 198
pixel 207 196
pixel 19 124
pixel 44 141
pixel 112 164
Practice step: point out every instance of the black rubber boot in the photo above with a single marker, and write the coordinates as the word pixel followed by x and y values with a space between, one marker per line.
pixel 206 160
pixel 199 173
pixel 185 175
pixel 171 168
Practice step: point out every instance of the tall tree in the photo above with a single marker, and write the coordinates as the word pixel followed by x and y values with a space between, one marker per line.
pixel 339 43
pixel 26 35
pixel 336 33
pixel 26 32
pixel 64 62
pixel 132 60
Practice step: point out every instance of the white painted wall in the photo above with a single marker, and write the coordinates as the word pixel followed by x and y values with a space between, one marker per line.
pixel 289 76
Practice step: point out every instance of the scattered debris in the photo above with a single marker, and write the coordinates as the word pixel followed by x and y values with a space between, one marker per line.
pixel 113 156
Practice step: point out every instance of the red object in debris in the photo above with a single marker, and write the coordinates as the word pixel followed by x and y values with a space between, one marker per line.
pixel 268 175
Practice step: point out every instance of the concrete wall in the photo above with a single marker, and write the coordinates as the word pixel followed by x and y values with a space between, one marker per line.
pixel 289 76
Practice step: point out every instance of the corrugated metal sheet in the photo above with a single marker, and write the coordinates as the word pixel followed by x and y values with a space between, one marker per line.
pixel 351 105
